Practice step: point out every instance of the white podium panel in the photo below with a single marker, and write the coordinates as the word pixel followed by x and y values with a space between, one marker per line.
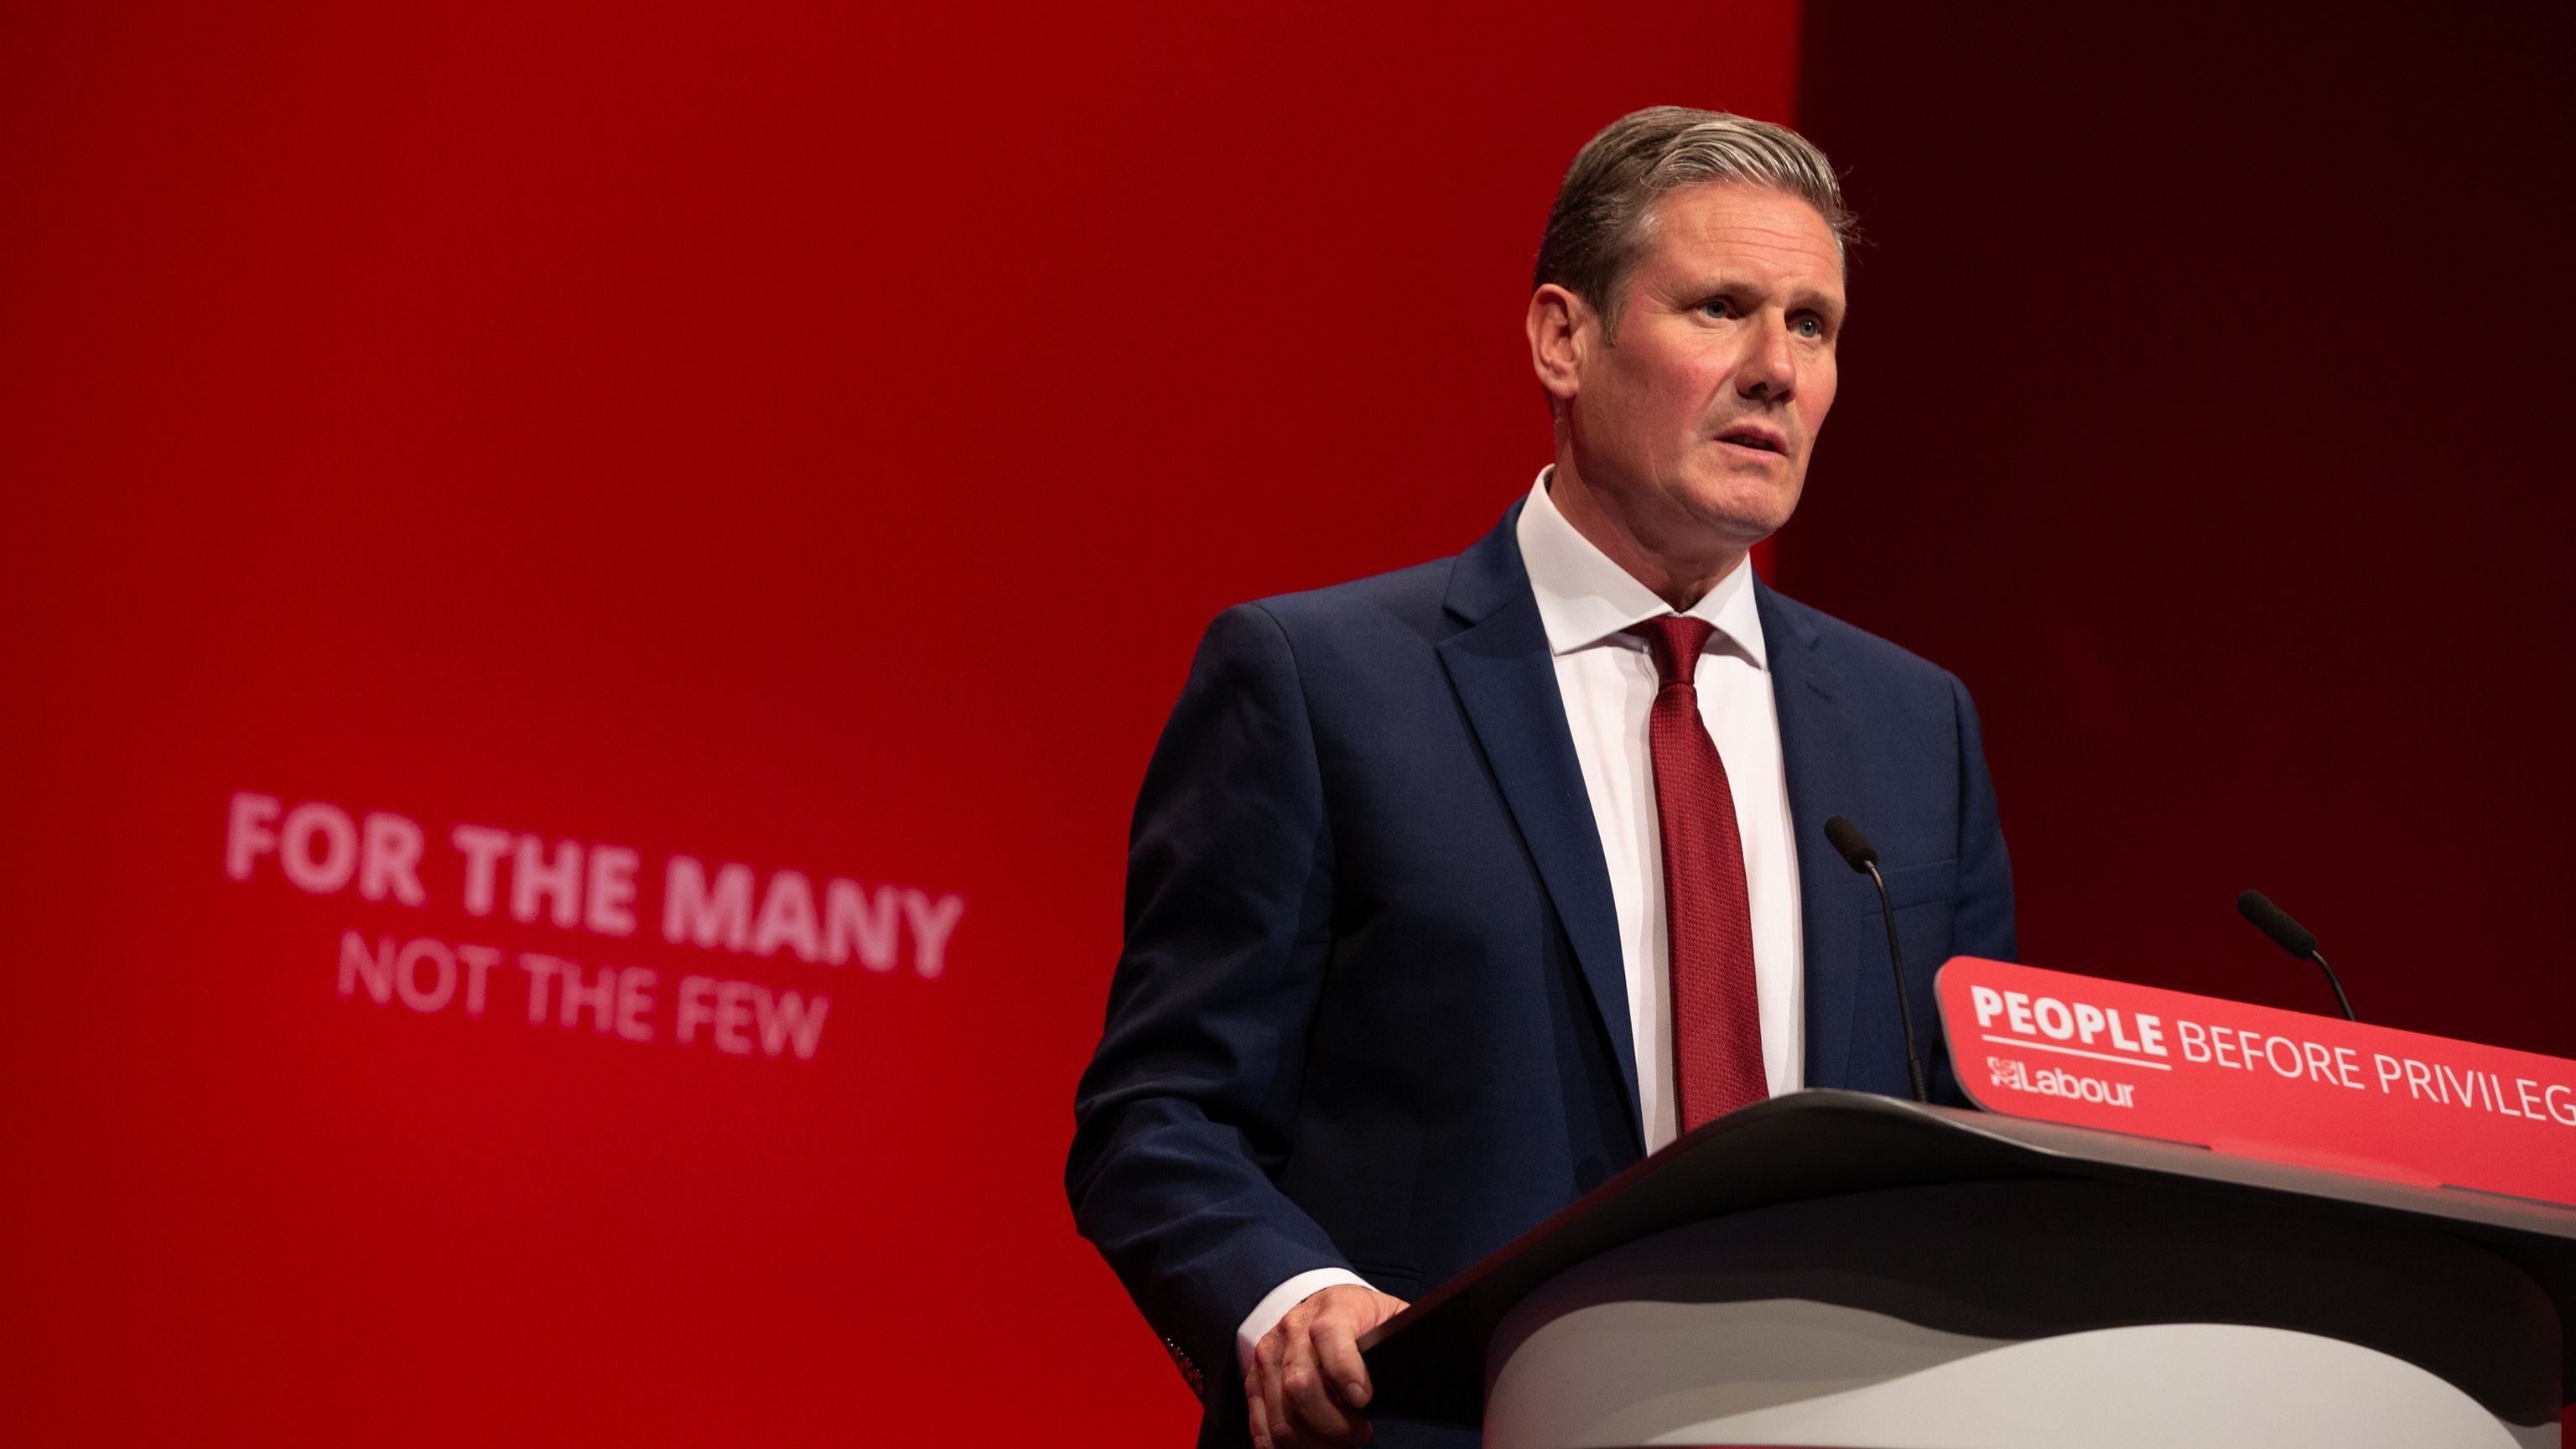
pixel 1839 1271
pixel 2029 1315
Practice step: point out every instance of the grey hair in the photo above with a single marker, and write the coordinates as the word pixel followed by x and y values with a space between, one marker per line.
pixel 1604 213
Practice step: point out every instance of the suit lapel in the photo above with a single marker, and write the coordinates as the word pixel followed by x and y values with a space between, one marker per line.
pixel 1505 679
pixel 1819 751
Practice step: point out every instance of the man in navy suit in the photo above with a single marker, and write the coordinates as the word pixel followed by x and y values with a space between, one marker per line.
pixel 1451 891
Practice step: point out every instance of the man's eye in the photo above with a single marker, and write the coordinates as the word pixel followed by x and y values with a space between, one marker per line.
pixel 1809 327
pixel 1718 307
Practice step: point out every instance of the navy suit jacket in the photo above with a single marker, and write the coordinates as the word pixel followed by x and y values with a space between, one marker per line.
pixel 1371 1012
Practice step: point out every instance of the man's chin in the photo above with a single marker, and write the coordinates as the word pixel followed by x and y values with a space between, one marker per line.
pixel 1742 516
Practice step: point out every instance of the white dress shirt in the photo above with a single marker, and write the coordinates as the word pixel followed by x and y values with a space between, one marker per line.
pixel 1606 679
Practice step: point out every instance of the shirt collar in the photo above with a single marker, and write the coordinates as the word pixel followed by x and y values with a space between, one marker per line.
pixel 1585 599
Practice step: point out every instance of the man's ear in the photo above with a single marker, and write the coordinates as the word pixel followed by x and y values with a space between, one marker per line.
pixel 1561 330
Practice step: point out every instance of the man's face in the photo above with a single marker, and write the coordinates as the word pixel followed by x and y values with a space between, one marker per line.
pixel 1696 422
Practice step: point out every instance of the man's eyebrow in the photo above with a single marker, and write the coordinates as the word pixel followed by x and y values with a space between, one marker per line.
pixel 1803 299
pixel 1832 304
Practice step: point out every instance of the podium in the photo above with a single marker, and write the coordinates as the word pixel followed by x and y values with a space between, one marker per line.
pixel 1837 1270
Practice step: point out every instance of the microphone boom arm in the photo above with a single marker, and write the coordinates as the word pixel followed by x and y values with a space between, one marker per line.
pixel 1896 963
pixel 2336 982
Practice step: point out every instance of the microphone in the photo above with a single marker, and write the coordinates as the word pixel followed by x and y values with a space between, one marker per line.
pixel 2292 937
pixel 1862 856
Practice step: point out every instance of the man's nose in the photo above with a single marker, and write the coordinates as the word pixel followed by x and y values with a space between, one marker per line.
pixel 1770 371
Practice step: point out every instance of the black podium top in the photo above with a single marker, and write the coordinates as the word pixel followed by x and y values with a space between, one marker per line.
pixel 1428 1362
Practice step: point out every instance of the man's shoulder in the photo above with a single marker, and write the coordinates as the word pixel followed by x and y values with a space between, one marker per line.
pixel 1854 650
pixel 1367 633
pixel 1389 607
pixel 1407 595
pixel 1426 602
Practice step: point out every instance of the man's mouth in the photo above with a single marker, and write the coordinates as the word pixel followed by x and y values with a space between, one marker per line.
pixel 1754 437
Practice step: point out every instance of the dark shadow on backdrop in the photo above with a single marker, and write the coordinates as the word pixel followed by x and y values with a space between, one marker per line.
pixel 2203 409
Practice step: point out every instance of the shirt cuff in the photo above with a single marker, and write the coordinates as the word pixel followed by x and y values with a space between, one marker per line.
pixel 1274 1306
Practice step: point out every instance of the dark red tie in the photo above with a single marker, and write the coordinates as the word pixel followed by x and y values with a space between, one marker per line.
pixel 1708 917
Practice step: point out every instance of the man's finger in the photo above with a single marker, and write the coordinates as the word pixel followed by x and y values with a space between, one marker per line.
pixel 1337 1358
pixel 1312 1408
pixel 1268 1419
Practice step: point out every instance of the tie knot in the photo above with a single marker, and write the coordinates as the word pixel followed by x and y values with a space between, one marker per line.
pixel 1675 640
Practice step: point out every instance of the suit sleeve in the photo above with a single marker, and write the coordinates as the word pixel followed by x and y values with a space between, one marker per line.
pixel 1983 925
pixel 1981 922
pixel 1184 1115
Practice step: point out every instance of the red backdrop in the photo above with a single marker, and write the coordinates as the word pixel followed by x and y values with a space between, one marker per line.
pixel 812 442
pixel 797 439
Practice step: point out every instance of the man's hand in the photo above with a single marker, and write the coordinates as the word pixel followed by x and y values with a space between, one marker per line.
pixel 1308 1384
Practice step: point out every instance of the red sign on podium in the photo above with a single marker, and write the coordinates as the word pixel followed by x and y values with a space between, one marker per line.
pixel 2260 1082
